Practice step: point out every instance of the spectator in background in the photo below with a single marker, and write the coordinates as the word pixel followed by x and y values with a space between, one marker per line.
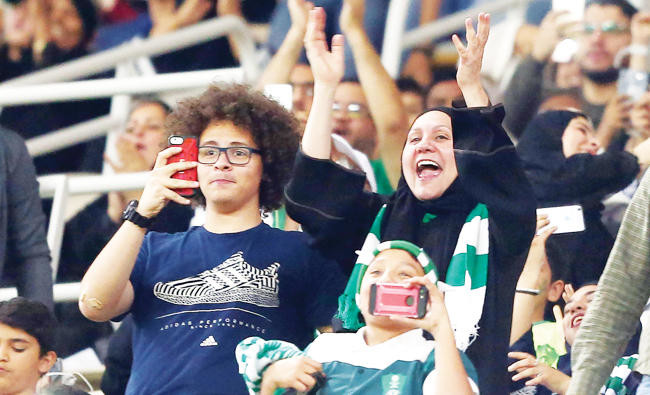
pixel 453 159
pixel 412 97
pixel 24 254
pixel 50 32
pixel 444 91
pixel 89 230
pixel 559 154
pixel 604 32
pixel 27 331
pixel 369 114
pixel 283 288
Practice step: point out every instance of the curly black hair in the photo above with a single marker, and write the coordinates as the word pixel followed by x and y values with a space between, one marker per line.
pixel 32 317
pixel 273 128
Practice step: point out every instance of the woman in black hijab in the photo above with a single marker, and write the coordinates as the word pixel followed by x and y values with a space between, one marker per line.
pixel 559 153
pixel 463 197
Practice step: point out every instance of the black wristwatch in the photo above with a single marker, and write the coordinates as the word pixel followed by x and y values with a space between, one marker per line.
pixel 131 215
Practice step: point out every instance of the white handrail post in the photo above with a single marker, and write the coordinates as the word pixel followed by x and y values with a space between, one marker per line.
pixel 57 222
pixel 391 50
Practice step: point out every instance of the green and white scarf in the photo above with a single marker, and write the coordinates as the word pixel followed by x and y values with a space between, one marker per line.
pixel 464 285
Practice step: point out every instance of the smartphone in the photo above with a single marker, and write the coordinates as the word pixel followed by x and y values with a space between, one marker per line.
pixel 568 219
pixel 282 93
pixel 575 9
pixel 398 299
pixel 190 153
pixel 632 83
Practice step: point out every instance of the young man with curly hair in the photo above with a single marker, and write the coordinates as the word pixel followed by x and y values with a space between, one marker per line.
pixel 194 295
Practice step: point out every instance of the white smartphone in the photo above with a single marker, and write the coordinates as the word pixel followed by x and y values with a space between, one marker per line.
pixel 575 9
pixel 567 218
pixel 282 93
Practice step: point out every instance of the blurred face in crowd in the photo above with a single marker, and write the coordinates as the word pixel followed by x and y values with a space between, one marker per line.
pixel 17 26
pixel 443 93
pixel 229 187
pixel 428 161
pixel 145 130
pixel 574 311
pixel 389 266
pixel 352 118
pixel 579 137
pixel 605 32
pixel 302 82
pixel 413 105
pixel 67 28
pixel 21 362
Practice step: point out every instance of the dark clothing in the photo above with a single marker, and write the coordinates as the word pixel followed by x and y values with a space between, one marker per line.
pixel 330 204
pixel 582 179
pixel 527 90
pixel 84 237
pixel 118 359
pixel 197 294
pixel 24 254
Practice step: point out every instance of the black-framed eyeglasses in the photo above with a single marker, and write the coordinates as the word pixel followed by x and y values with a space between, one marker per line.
pixel 209 155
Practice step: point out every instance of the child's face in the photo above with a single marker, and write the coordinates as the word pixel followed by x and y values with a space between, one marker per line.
pixel 390 266
pixel 575 310
pixel 21 364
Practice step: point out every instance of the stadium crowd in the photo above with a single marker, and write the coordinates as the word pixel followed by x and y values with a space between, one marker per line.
pixel 371 234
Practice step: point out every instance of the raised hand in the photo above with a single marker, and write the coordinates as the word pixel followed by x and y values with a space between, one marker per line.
pixel 640 28
pixel 299 13
pixel 351 18
pixel 327 66
pixel 471 56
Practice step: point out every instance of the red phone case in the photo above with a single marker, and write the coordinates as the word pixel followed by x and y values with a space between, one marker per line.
pixel 396 299
pixel 190 153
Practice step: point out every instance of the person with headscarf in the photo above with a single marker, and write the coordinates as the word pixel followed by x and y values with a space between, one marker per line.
pixel 462 197
pixel 559 153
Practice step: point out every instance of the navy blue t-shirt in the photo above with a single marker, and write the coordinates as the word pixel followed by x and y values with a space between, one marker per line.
pixel 198 294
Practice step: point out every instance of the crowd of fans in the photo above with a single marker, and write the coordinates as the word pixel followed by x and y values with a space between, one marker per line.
pixel 365 180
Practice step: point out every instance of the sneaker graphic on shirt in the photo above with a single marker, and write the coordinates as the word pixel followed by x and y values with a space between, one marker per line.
pixel 234 280
pixel 209 341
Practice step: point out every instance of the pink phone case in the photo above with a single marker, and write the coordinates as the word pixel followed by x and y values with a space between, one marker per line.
pixel 396 299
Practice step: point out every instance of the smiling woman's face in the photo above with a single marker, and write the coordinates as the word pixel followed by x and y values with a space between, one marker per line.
pixel 579 137
pixel 428 161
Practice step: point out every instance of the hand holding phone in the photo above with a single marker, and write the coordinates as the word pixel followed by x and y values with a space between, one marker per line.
pixel 567 218
pixel 398 299
pixel 189 153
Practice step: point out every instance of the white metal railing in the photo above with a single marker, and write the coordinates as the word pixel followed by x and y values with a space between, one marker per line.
pixel 396 40
pixel 93 89
pixel 195 34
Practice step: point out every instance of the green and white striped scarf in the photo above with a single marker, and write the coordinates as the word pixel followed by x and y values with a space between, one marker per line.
pixel 465 282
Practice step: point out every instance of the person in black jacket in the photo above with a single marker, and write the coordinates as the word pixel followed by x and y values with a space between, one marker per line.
pixel 455 162
pixel 24 254
pixel 559 153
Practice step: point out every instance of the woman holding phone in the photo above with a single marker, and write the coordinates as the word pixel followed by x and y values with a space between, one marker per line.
pixel 462 196
pixel 559 151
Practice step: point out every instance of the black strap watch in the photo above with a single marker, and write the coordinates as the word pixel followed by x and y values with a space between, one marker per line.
pixel 131 215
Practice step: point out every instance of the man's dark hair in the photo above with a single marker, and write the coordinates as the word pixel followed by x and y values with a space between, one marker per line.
pixel 32 317
pixel 408 84
pixel 273 128
pixel 628 9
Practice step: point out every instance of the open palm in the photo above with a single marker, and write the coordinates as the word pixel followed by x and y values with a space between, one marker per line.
pixel 471 56
pixel 327 66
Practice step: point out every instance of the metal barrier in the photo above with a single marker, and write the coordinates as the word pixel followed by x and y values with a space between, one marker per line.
pixel 396 40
